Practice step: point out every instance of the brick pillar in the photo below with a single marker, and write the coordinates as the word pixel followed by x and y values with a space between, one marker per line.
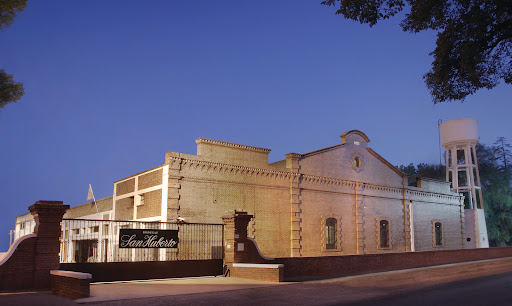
pixel 292 163
pixel 174 186
pixel 47 215
pixel 235 235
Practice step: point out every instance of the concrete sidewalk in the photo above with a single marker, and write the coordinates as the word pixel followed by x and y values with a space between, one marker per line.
pixel 178 286
pixel 220 290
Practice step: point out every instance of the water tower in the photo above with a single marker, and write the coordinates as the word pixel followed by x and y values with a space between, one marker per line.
pixel 459 137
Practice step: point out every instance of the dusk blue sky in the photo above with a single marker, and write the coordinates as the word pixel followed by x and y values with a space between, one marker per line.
pixel 112 85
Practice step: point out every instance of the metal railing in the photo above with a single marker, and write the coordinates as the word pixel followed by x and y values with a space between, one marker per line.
pixel 84 241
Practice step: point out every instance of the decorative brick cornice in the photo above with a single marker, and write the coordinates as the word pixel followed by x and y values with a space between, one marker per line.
pixel 233 169
pixel 383 189
pixel 435 197
pixel 293 155
pixel 232 145
pixel 306 178
pixel 311 179
pixel 48 206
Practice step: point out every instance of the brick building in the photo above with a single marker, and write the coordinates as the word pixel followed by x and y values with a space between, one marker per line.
pixel 340 200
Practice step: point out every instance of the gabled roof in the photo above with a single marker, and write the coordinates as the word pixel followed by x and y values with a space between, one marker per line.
pixel 384 161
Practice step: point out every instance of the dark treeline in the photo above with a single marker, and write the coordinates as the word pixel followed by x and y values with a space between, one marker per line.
pixel 495 166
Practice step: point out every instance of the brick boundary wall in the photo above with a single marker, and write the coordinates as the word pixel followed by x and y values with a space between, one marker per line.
pixel 16 271
pixel 28 263
pixel 73 285
pixel 263 272
pixel 303 268
pixel 335 266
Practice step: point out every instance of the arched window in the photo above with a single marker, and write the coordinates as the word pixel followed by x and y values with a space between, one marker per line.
pixel 330 233
pixel 384 233
pixel 438 234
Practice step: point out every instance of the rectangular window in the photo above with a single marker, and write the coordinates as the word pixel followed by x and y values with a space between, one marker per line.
pixel 438 232
pixel 330 234
pixel 384 234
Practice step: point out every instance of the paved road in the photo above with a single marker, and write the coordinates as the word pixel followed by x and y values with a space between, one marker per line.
pixel 493 290
pixel 487 282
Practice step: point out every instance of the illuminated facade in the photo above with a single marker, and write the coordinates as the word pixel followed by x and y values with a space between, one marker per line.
pixel 340 200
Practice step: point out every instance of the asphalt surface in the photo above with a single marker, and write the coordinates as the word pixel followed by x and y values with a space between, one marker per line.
pixel 490 290
pixel 493 290
pixel 487 282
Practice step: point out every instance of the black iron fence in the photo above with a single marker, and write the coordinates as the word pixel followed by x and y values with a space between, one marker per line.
pixel 92 241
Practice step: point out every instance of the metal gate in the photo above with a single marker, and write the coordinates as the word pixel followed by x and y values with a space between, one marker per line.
pixel 93 246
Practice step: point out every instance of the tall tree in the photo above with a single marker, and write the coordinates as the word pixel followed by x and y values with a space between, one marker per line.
pixel 497 195
pixel 10 91
pixel 474 39
pixel 432 171
pixel 502 151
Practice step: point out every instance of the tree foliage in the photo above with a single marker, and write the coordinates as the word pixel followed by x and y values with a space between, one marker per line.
pixel 474 40
pixel 497 194
pixel 9 9
pixel 10 91
pixel 437 172
pixel 502 152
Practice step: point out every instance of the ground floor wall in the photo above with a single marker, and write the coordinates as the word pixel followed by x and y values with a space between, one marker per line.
pixel 207 201
pixel 358 217
pixel 304 268
pixel 117 271
pixel 316 207
pixel 358 224
pixel 426 215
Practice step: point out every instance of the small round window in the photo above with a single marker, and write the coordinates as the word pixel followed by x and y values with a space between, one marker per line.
pixel 357 162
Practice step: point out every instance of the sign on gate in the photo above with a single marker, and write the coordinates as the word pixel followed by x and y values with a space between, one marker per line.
pixel 148 238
